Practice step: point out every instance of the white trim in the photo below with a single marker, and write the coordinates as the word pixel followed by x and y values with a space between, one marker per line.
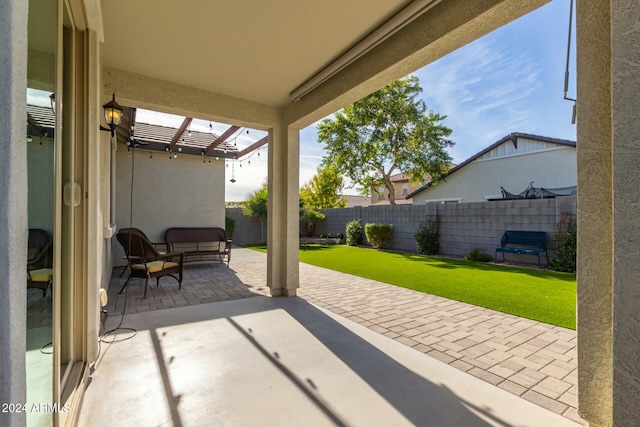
pixel 520 154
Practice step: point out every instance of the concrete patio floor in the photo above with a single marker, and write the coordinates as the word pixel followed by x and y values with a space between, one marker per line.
pixel 284 362
pixel 529 359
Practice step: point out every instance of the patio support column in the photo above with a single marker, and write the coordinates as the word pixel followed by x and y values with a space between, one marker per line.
pixel 625 114
pixel 608 147
pixel 13 206
pixel 283 222
pixel 594 269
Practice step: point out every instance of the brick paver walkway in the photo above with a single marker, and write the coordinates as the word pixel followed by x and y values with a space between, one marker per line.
pixel 533 360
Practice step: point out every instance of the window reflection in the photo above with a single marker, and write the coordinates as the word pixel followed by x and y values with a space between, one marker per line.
pixel 39 277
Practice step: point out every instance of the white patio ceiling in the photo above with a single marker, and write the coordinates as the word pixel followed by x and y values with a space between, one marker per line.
pixel 254 50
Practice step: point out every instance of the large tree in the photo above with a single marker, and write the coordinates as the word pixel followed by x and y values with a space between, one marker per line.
pixel 323 189
pixel 387 132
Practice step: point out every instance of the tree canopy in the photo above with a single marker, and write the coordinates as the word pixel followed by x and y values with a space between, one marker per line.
pixel 323 190
pixel 257 203
pixel 385 133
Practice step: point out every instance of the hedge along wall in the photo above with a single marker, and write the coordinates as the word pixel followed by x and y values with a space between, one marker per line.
pixel 463 226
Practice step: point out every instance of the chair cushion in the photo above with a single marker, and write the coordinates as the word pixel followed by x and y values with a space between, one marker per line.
pixel 41 275
pixel 154 266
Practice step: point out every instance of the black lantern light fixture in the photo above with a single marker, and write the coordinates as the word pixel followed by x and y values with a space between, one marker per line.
pixel 112 115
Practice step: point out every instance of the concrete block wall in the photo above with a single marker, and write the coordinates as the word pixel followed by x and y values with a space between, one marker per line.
pixel 247 229
pixel 463 226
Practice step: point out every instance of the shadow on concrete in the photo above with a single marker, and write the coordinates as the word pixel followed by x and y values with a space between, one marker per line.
pixel 419 400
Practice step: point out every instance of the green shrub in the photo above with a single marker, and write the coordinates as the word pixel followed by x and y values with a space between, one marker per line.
pixel 477 255
pixel 379 235
pixel 566 243
pixel 428 237
pixel 353 232
pixel 229 226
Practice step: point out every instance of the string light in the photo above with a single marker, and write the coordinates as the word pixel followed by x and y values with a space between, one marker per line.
pixel 233 172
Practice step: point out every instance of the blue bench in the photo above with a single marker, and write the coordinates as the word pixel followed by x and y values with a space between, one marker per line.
pixel 523 242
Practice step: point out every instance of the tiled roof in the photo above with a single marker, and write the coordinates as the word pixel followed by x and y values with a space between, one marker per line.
pixel 398 202
pixel 43 116
pixel 356 200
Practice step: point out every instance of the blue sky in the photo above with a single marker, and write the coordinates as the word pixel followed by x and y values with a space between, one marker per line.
pixel 510 80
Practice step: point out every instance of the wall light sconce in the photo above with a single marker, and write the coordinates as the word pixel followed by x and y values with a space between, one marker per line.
pixel 112 115
pixel 52 99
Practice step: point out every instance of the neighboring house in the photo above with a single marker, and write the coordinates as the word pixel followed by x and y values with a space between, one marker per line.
pixel 402 188
pixel 513 163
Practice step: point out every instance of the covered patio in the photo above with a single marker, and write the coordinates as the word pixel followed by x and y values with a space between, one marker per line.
pixel 223 363
pixel 275 67
pixel 530 360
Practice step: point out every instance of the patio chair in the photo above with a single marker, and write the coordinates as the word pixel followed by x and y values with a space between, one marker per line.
pixel 146 262
pixel 39 260
pixel 160 246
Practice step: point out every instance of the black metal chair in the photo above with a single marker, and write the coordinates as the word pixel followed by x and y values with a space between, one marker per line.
pixel 39 261
pixel 146 262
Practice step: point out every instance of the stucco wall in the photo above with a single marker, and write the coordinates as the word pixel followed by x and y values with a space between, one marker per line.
pixel 550 169
pixel 13 207
pixel 181 192
pixel 625 98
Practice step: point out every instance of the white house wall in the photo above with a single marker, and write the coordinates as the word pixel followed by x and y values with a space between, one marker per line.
pixel 552 168
pixel 181 192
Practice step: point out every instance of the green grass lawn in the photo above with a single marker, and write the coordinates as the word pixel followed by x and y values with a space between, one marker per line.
pixel 547 296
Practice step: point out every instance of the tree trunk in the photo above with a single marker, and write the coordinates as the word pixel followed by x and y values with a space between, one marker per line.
pixel 392 193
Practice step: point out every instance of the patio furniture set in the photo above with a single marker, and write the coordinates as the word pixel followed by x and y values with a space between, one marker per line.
pixel 147 260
